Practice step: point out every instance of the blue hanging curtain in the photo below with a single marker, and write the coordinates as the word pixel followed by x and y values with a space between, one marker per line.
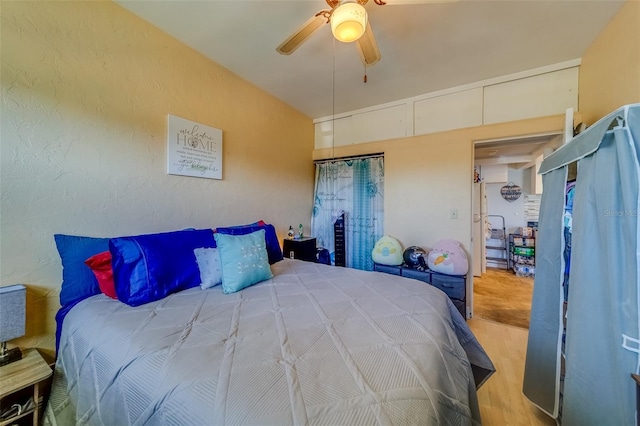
pixel 580 372
pixel 355 187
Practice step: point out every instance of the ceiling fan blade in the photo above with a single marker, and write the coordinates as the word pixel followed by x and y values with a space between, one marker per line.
pixel 368 48
pixel 301 34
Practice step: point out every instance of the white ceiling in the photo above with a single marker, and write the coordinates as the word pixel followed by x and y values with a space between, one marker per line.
pixel 519 152
pixel 424 47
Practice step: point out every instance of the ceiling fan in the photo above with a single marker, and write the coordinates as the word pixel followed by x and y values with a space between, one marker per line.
pixel 349 23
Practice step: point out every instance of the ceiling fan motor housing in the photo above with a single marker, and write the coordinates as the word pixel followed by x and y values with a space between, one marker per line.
pixel 354 24
pixel 348 21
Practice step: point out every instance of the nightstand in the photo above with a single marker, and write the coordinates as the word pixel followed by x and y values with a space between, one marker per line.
pixel 302 248
pixel 20 381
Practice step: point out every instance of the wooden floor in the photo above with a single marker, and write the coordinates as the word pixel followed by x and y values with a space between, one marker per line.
pixel 501 296
pixel 500 398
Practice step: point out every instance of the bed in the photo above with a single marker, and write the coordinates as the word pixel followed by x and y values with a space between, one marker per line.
pixel 314 344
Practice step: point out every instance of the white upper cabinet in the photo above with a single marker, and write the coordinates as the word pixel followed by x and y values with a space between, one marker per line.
pixel 498 173
pixel 537 93
pixel 448 112
pixel 546 94
pixel 380 124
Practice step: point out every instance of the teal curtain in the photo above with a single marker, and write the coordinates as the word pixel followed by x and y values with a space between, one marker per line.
pixel 355 187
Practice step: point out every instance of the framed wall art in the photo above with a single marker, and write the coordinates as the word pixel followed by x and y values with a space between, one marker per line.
pixel 193 149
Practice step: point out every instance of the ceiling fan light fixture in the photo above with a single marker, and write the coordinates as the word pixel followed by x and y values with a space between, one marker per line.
pixel 348 22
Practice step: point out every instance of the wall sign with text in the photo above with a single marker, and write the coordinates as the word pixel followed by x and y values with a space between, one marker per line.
pixel 510 192
pixel 193 149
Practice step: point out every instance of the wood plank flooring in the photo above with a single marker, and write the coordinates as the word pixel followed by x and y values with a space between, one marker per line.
pixel 501 296
pixel 500 398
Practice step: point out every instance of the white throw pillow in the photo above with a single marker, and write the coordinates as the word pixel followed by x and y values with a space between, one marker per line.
pixel 210 267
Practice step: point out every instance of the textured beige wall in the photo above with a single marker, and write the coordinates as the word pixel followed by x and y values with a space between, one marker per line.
pixel 86 89
pixel 610 70
pixel 427 176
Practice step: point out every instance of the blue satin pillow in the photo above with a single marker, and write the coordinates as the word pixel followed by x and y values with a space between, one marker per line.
pixel 274 251
pixel 244 260
pixel 78 281
pixel 147 268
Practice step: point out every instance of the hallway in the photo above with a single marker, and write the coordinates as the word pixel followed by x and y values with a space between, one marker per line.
pixel 501 296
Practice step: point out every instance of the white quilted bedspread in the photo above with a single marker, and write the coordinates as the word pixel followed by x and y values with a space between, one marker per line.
pixel 314 345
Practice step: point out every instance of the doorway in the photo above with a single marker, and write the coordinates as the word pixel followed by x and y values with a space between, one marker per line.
pixel 507 174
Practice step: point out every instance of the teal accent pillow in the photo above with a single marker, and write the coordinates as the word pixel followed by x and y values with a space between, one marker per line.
pixel 244 260
pixel 271 238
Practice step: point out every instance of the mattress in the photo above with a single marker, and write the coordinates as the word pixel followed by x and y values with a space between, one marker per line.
pixel 315 344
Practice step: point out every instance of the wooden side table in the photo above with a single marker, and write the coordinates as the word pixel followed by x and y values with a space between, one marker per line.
pixel 22 380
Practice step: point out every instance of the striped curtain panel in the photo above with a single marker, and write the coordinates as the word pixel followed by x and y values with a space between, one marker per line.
pixel 355 187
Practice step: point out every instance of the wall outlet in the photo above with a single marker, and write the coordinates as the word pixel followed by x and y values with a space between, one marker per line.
pixel 454 213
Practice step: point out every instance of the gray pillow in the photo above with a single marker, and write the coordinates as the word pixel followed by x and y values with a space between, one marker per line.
pixel 210 267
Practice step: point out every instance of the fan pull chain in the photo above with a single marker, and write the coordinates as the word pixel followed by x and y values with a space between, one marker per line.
pixel 364 79
pixel 333 101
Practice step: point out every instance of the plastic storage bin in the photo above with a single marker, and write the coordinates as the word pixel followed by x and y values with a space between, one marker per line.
pixel 523 251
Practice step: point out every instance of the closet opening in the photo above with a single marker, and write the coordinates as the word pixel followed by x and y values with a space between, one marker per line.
pixel 348 211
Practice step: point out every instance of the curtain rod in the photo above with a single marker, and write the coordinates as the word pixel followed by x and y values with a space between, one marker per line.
pixel 350 157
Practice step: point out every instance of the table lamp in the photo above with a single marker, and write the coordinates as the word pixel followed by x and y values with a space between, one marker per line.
pixel 13 304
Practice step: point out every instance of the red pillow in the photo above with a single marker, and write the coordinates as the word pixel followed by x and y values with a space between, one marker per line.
pixel 100 264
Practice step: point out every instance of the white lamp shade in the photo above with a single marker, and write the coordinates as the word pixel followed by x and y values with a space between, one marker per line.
pixel 348 22
pixel 13 301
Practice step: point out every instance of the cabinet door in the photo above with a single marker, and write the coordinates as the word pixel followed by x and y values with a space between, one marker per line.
pixel 304 249
pixel 387 269
pixel 418 275
pixel 452 285
pixel 460 306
